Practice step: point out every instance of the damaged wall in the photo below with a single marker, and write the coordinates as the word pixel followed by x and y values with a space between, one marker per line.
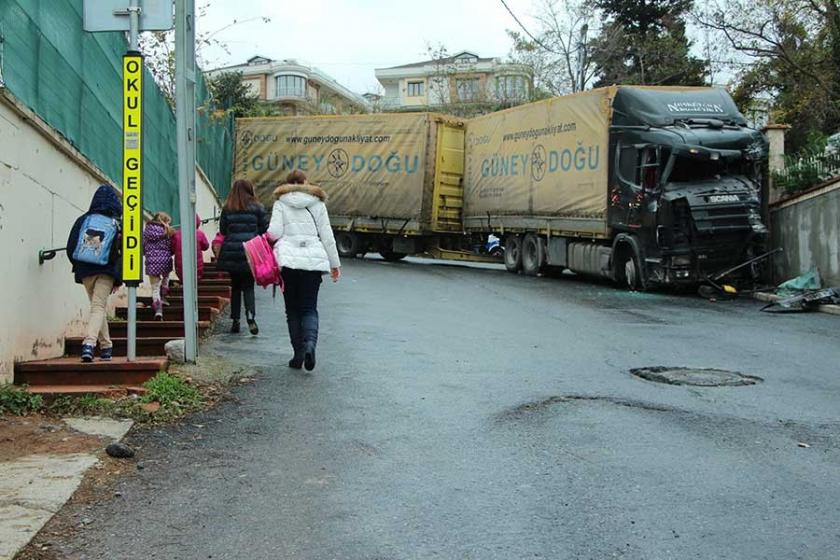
pixel 808 229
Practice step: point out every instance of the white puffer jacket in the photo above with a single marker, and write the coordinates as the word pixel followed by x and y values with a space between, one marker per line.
pixel 301 227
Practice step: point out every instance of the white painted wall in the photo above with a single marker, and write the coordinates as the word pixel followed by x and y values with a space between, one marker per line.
pixel 44 186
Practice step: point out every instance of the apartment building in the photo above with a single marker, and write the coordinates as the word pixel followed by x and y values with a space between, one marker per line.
pixel 299 89
pixel 462 78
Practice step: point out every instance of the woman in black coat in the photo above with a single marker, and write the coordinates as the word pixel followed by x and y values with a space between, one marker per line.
pixel 243 218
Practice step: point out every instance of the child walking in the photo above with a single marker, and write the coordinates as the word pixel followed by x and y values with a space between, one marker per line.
pixel 93 248
pixel 201 245
pixel 157 250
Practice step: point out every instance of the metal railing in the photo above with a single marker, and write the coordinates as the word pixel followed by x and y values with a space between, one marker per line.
pixel 49 254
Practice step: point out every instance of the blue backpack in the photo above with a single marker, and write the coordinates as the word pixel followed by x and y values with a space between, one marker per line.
pixel 96 239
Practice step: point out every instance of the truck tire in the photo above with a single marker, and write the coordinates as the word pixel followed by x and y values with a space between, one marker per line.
pixel 628 272
pixel 533 255
pixel 347 243
pixel 513 253
pixel 391 256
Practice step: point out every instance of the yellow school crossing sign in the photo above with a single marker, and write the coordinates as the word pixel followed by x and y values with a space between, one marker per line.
pixel 132 185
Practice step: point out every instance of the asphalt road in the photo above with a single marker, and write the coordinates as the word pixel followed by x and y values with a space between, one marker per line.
pixel 465 413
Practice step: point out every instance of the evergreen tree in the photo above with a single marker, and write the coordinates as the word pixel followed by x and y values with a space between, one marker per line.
pixel 644 42
pixel 232 94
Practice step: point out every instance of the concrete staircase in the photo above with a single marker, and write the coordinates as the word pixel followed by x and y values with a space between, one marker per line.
pixel 67 375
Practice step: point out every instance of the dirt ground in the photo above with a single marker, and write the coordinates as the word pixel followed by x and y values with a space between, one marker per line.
pixel 29 435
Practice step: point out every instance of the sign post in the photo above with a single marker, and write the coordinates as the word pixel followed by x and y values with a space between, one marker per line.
pixel 114 15
pixel 132 189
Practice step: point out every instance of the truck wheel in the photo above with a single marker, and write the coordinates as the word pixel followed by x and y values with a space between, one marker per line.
pixel 391 256
pixel 347 243
pixel 513 253
pixel 628 273
pixel 533 255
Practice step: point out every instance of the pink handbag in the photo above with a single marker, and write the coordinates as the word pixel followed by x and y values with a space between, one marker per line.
pixel 263 265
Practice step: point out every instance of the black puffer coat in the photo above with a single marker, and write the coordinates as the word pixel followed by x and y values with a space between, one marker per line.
pixel 239 227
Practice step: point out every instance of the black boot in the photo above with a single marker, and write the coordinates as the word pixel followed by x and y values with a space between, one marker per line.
pixel 309 330
pixel 296 338
pixel 309 356
pixel 234 327
pixel 252 325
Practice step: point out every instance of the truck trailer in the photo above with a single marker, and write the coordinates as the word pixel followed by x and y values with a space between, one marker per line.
pixel 642 185
pixel 394 181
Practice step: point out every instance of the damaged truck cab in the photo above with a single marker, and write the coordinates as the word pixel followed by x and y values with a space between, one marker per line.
pixel 685 186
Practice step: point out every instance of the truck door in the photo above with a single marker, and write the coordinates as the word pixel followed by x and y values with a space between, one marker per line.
pixel 448 194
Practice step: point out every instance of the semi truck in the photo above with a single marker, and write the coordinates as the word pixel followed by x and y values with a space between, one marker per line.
pixel 646 186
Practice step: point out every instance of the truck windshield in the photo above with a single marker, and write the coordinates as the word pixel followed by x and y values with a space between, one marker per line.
pixel 690 169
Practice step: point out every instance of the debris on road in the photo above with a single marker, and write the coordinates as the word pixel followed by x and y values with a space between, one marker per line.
pixel 119 451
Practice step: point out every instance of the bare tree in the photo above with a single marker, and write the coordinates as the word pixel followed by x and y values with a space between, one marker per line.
pixel 777 30
pixel 558 50
pixel 159 49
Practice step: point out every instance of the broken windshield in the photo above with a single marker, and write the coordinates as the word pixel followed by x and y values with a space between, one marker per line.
pixel 687 168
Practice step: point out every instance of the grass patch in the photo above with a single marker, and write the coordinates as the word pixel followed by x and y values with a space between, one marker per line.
pixel 84 405
pixel 171 391
pixel 15 400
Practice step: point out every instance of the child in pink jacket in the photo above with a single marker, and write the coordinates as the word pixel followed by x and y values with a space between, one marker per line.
pixel 201 245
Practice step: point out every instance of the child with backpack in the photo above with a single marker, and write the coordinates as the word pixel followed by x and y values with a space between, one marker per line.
pixel 93 248
pixel 157 251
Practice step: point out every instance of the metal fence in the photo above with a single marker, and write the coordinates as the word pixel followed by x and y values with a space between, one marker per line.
pixel 805 171
pixel 73 80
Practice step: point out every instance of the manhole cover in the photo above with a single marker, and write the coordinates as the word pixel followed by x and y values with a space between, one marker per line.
pixel 695 376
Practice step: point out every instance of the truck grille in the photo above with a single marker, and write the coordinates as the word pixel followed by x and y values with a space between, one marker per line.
pixel 719 220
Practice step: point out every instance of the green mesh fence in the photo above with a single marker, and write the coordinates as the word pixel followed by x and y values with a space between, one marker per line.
pixel 73 80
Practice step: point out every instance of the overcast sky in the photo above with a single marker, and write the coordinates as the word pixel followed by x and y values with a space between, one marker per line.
pixel 347 39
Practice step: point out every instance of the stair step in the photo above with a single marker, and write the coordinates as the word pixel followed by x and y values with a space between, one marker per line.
pixel 146 346
pixel 205 313
pixel 206 282
pixel 178 301
pixel 104 390
pixel 225 282
pixel 169 329
pixel 218 291
pixel 70 371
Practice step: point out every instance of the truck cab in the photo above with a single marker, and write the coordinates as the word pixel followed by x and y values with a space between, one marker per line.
pixel 685 186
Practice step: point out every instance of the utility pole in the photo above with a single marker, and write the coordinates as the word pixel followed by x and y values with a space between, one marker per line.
pixel 581 58
pixel 185 79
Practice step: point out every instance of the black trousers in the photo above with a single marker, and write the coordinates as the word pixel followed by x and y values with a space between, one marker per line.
pixel 301 297
pixel 242 285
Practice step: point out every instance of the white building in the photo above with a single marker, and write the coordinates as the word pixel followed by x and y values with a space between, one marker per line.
pixel 462 78
pixel 298 88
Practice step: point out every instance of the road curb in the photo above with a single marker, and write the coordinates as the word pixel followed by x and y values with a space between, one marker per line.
pixel 772 298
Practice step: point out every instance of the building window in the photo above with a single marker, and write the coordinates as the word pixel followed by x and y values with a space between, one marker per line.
pixel 290 86
pixel 511 88
pixel 468 89
pixel 415 89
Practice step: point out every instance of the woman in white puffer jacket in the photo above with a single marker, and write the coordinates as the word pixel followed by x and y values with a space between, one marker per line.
pixel 305 249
